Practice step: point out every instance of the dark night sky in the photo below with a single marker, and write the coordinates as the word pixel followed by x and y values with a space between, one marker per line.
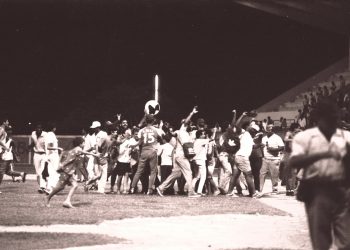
pixel 77 61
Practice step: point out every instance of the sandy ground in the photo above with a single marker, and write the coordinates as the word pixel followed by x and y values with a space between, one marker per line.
pixel 229 231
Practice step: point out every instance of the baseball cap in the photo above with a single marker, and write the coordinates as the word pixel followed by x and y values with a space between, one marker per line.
pixel 95 124
pixel 256 127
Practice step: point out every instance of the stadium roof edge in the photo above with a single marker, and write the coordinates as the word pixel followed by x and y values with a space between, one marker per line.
pixel 325 14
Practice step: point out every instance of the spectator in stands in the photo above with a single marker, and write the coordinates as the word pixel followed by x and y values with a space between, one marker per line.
pixel 302 121
pixel 342 81
pixel 319 94
pixel 333 88
pixel 284 124
pixel 264 124
pixel 322 152
pixel 312 100
pixel 325 91
pixel 269 120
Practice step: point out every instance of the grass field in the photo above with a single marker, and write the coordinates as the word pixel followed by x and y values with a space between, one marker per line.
pixel 24 241
pixel 22 205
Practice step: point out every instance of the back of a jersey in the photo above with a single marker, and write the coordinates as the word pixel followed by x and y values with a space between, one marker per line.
pixel 149 137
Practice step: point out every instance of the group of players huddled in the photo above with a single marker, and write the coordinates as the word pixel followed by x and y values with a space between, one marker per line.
pixel 112 158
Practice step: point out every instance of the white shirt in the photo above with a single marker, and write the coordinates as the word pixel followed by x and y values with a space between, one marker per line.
pixel 273 141
pixel 166 153
pixel 182 137
pixel 101 136
pixel 313 141
pixel 247 143
pixel 8 155
pixel 39 142
pixel 90 141
pixel 124 152
pixel 51 138
pixel 132 160
pixel 200 147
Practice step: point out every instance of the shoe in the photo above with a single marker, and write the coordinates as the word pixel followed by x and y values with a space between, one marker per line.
pixel 233 195
pixel 24 177
pixel 149 192
pixel 274 192
pixel 257 195
pixel 41 190
pixel 160 193
pixel 290 193
pixel 132 191
pixel 216 193
pixel 194 195
pixel 47 191
pixel 230 194
pixel 67 205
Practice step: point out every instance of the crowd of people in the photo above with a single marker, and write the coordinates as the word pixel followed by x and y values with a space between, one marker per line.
pixel 113 157
pixel 338 93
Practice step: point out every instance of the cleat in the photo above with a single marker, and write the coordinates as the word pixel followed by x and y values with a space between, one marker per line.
pixel 160 193
pixel 216 193
pixel 194 195
pixel 257 195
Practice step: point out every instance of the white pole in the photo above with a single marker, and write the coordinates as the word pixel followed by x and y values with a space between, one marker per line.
pixel 156 82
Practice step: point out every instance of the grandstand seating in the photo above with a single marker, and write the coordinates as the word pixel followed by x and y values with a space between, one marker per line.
pixel 287 104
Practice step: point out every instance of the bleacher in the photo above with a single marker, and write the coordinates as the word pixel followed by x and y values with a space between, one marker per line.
pixel 287 104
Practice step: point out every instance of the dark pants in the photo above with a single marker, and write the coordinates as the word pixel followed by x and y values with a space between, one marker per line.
pixel 256 163
pixel 145 177
pixel 328 214
pixel 147 157
pixel 290 174
pixel 5 168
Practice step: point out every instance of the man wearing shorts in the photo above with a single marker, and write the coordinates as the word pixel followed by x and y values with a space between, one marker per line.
pixel 242 158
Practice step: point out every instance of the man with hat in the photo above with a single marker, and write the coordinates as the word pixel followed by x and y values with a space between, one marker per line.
pixel 242 157
pixel 100 163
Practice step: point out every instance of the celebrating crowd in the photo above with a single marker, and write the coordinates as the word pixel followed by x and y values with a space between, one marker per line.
pixel 114 157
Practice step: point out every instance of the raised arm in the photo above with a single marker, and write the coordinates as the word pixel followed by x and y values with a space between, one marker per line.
pixel 188 118
pixel 142 121
pixel 234 118
pixel 244 114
